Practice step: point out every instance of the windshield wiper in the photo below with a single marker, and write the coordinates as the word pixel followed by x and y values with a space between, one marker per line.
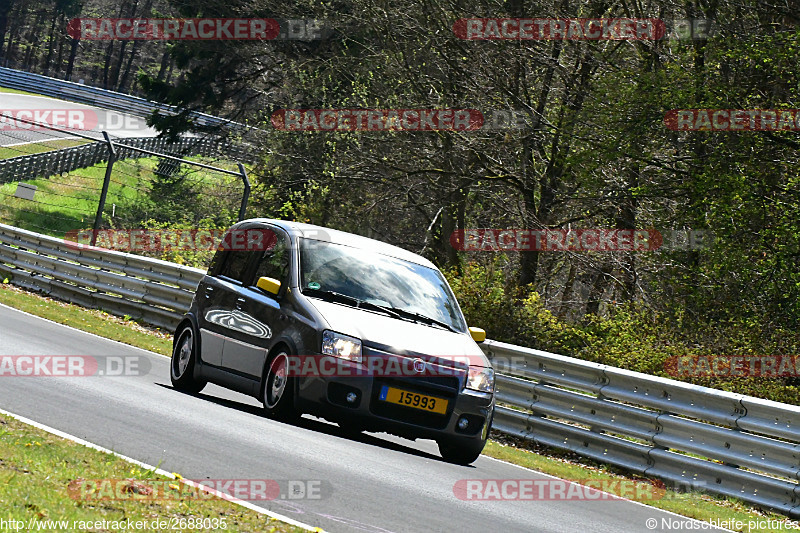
pixel 338 296
pixel 352 300
pixel 376 307
pixel 423 318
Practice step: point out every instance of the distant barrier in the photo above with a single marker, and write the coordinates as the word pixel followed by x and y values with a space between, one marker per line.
pixel 156 292
pixel 84 94
pixel 65 160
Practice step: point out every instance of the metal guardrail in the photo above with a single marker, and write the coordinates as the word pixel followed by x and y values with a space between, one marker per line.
pixel 694 437
pixel 46 164
pixel 691 436
pixel 157 292
pixel 84 94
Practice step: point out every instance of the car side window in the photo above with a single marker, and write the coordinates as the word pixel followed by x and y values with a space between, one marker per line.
pixel 274 262
pixel 235 265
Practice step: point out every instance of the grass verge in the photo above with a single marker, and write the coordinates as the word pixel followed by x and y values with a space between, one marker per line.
pixel 7 152
pixel 69 203
pixel 565 465
pixel 15 91
pixel 39 473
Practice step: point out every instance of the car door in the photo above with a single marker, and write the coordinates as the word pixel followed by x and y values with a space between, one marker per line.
pixel 257 316
pixel 219 292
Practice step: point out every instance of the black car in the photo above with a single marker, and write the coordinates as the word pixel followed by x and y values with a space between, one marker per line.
pixel 313 320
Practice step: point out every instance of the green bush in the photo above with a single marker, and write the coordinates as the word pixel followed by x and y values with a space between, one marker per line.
pixel 517 317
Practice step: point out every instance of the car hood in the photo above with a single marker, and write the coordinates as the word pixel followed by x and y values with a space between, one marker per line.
pixel 399 336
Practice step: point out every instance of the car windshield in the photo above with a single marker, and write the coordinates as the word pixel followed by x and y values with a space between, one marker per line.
pixel 378 279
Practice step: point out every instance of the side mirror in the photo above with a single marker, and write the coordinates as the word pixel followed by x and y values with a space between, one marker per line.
pixel 477 334
pixel 270 285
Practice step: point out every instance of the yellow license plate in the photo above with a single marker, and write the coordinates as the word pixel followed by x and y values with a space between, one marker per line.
pixel 414 400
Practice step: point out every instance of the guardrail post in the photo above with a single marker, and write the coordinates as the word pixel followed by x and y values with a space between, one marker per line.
pixel 245 194
pixel 109 167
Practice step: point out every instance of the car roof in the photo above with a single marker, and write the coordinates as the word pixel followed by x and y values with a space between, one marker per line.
pixel 320 233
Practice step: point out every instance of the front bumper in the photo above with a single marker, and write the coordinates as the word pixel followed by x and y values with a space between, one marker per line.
pixel 355 400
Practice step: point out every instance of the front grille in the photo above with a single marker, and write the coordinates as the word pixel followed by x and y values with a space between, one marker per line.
pixel 447 384
pixel 437 372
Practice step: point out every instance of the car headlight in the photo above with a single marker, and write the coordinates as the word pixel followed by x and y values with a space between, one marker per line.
pixel 480 379
pixel 341 346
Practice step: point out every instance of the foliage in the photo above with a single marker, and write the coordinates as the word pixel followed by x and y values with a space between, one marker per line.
pixel 517 318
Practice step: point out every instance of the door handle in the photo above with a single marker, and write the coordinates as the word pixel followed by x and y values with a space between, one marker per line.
pixel 239 303
pixel 209 292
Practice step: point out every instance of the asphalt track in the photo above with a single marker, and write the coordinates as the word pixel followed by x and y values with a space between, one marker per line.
pixel 92 120
pixel 372 483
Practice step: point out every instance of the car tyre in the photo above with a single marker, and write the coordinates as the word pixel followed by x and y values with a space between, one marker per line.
pixel 184 359
pixel 277 389
pixel 461 451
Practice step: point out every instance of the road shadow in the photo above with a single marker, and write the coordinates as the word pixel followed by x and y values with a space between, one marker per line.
pixel 311 424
